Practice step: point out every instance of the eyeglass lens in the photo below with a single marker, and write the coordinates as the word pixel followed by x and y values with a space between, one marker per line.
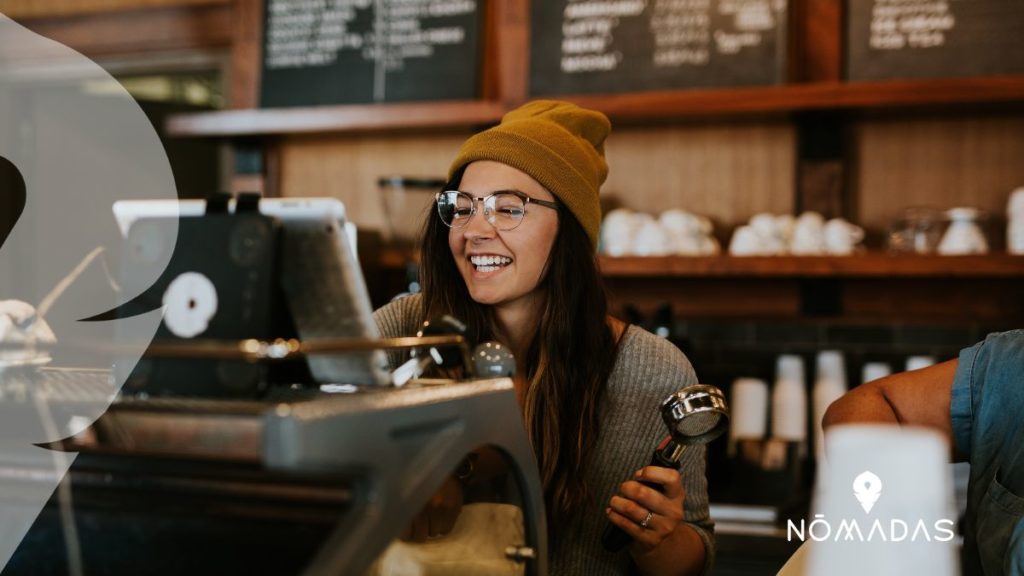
pixel 503 210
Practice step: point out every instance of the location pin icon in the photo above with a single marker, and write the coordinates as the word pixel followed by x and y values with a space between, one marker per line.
pixel 867 487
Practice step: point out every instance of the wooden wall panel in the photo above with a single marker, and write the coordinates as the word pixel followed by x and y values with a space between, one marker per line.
pixel 994 301
pixel 20 9
pixel 956 160
pixel 348 167
pixel 729 298
pixel 728 172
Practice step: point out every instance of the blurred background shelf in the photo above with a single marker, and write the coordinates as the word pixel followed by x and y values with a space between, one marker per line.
pixel 869 265
pixel 683 104
pixel 337 119
pixel 626 107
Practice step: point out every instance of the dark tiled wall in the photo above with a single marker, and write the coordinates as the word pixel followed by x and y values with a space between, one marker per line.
pixel 722 350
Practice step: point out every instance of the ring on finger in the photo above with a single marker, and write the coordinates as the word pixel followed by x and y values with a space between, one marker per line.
pixel 646 520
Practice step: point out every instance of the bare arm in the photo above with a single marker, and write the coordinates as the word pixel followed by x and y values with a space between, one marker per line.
pixel 917 398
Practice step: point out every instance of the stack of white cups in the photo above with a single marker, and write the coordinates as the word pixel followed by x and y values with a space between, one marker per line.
pixel 874 371
pixel 918 362
pixel 829 385
pixel 749 407
pixel 789 401
pixel 1015 222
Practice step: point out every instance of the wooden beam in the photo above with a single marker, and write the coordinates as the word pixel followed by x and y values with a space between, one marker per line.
pixel 508 51
pixel 246 54
pixel 817 37
pixel 871 265
pixel 27 9
pixel 346 118
pixel 136 31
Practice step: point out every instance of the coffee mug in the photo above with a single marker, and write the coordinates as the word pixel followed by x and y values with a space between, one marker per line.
pixel 963 236
pixel 808 234
pixel 841 236
pixel 745 242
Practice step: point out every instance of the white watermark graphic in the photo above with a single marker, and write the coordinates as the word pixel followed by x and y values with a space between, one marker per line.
pixel 867 489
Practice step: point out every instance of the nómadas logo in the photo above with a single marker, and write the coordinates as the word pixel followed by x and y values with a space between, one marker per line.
pixel 867 489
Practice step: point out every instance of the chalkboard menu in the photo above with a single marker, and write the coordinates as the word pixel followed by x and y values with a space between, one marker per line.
pixel 605 46
pixel 934 38
pixel 319 52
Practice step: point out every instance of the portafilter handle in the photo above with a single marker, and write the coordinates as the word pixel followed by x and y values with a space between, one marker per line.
pixel 694 415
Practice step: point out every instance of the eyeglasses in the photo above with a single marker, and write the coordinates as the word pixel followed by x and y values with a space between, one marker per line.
pixel 504 209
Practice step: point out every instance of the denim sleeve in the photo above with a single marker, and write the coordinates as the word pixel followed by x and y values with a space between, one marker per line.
pixel 961 409
pixel 988 379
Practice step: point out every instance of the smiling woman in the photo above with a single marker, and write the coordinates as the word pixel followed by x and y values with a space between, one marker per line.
pixel 510 251
pixel 504 268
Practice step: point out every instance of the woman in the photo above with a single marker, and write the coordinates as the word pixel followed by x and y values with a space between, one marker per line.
pixel 510 252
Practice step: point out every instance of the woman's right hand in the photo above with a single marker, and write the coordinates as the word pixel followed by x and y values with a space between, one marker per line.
pixel 437 518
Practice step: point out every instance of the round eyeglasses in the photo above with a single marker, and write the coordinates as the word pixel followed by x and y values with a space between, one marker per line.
pixel 504 209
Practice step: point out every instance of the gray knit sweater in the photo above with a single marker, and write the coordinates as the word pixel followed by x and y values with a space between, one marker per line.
pixel 648 369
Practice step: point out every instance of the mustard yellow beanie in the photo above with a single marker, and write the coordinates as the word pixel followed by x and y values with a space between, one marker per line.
pixel 559 144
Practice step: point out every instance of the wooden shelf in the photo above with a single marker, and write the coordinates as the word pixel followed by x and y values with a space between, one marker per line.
pixel 871 265
pixel 811 96
pixel 627 107
pixel 335 119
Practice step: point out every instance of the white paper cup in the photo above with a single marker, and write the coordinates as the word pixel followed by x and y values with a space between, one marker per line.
pixel 829 385
pixel 789 400
pixel 918 362
pixel 874 371
pixel 749 409
pixel 892 477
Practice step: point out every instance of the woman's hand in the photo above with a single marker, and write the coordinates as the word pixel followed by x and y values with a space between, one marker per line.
pixel 647 515
pixel 437 518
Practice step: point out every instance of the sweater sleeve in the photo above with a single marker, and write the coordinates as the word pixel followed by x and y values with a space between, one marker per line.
pixel 696 508
pixel 399 318
pixel 652 369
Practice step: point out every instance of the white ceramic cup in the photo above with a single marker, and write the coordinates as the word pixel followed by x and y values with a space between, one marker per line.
pixel 808 234
pixel 650 238
pixel 745 242
pixel 841 237
pixel 617 232
pixel 963 236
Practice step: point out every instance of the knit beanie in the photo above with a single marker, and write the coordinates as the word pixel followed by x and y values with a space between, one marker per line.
pixel 559 144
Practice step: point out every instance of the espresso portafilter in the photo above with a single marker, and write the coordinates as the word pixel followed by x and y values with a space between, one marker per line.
pixel 694 415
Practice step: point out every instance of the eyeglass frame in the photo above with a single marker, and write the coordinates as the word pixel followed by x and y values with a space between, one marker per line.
pixel 526 198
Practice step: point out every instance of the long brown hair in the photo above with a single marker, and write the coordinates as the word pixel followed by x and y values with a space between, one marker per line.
pixel 569 360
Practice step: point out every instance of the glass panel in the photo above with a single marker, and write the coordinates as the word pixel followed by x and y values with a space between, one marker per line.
pixel 466 527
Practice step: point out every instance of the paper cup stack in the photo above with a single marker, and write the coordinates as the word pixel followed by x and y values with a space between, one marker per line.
pixel 1015 222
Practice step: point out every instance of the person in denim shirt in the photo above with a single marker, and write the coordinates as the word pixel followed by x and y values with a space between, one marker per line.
pixel 977 401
